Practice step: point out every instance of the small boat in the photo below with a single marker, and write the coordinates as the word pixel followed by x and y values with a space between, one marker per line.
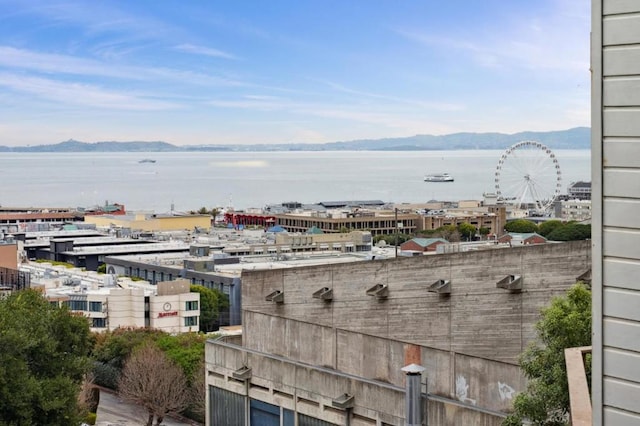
pixel 147 160
pixel 441 177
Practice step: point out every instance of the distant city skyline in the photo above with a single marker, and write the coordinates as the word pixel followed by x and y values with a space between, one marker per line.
pixel 289 72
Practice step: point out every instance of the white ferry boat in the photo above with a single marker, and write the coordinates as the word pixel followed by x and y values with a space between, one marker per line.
pixel 441 177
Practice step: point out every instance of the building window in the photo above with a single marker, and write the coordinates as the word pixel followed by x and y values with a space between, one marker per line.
pixel 190 321
pixel 77 305
pixel 95 306
pixel 99 322
pixel 192 305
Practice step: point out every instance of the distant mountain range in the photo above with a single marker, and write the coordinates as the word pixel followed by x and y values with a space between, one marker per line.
pixel 576 138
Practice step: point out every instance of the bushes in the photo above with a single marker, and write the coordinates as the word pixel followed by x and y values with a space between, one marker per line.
pixel 571 232
pixel 521 226
pixel 106 375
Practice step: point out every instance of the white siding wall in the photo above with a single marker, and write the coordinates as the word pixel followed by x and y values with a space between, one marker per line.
pixel 616 219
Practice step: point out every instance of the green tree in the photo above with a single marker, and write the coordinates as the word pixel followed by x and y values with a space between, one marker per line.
pixel 546 228
pixel 186 350
pixel 112 348
pixel 484 231
pixel 448 232
pixel 571 232
pixel 203 210
pixel 521 226
pixel 564 324
pixel 212 302
pixel 43 361
pixel 466 230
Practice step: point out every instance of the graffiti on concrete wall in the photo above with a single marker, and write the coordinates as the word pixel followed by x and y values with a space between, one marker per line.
pixel 462 390
pixel 505 391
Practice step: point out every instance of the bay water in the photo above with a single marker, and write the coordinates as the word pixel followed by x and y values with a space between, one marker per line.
pixel 190 180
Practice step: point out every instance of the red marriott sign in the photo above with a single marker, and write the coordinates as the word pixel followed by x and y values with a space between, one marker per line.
pixel 168 314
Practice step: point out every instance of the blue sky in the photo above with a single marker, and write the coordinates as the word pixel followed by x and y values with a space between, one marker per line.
pixel 240 72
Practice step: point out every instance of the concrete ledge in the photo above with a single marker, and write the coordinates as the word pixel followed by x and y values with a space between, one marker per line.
pixel 579 396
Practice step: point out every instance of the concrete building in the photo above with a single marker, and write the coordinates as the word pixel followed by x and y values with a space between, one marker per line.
pixel 325 344
pixel 491 217
pixel 573 209
pixel 408 219
pixel 615 131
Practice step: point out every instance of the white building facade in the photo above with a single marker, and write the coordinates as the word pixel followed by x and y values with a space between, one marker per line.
pixel 615 121
pixel 171 308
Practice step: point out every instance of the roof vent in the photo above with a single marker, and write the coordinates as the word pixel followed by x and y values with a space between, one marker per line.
pixel 325 293
pixel 380 291
pixel 276 296
pixel 441 287
pixel 513 283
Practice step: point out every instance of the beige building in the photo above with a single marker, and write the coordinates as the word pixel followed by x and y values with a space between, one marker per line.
pixel 171 307
pixel 151 222
pixel 383 222
pixel 578 210
pixel 491 217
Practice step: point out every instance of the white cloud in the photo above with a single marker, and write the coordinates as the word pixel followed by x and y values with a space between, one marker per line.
pixel 82 94
pixel 559 41
pixel 49 63
pixel 206 51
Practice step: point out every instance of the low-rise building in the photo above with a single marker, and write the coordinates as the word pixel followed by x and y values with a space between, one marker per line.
pixel 422 244
pixel 574 209
pixel 151 222
pixel 169 306
pixel 378 219
pixel 580 190
pixel 520 239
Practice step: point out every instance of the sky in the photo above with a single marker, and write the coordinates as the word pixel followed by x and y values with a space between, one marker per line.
pixel 289 71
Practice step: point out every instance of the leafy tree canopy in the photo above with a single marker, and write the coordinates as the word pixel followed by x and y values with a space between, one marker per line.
pixel 212 301
pixel 570 232
pixel 521 226
pixel 545 228
pixel 467 230
pixel 564 324
pixel 43 360
pixel 186 350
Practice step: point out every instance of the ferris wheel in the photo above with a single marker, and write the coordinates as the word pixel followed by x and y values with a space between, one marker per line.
pixel 528 176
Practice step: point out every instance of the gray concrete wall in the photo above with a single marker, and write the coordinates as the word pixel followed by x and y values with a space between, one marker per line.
pixel 469 340
pixel 310 390
pixel 476 319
